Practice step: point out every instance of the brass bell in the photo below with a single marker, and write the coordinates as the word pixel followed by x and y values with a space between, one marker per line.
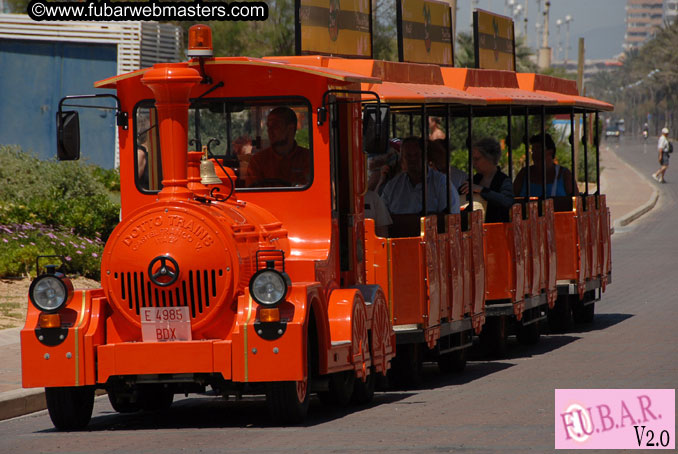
pixel 207 173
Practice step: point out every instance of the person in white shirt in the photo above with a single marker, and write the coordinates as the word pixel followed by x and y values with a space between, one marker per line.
pixel 375 208
pixel 663 149
pixel 403 194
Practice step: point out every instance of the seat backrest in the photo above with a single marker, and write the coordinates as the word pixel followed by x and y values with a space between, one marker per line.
pixel 405 225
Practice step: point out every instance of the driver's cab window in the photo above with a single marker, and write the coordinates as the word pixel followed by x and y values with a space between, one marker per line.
pixel 147 164
pixel 265 143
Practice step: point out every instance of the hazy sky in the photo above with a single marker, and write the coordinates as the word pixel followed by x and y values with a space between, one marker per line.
pixel 599 22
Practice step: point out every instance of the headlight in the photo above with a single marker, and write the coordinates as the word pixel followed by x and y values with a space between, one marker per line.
pixel 50 292
pixel 269 287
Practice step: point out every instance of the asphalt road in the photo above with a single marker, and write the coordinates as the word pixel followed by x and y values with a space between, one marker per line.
pixel 494 406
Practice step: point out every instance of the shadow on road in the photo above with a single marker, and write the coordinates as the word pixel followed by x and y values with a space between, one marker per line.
pixel 213 412
pixel 601 322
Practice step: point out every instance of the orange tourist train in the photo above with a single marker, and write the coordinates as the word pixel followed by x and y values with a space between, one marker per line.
pixel 263 276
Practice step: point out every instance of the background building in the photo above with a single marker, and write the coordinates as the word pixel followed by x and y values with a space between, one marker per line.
pixel 643 18
pixel 44 61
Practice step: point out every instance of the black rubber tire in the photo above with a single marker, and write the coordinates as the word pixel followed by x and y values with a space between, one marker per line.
pixel 494 336
pixel 529 334
pixel 363 391
pixel 585 314
pixel 70 408
pixel 123 402
pixel 155 397
pixel 340 389
pixel 285 407
pixel 453 362
pixel 407 365
pixel 561 318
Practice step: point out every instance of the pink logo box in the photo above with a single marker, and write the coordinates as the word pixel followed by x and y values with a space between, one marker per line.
pixel 615 418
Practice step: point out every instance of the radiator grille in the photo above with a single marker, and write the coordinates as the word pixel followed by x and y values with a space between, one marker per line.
pixel 197 292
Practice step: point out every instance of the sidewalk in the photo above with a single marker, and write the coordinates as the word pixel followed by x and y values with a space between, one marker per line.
pixel 625 206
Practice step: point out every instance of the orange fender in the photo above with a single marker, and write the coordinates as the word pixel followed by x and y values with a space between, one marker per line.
pixel 70 362
pixel 347 316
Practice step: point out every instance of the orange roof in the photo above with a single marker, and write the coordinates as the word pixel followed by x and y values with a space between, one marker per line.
pixel 394 93
pixel 329 73
pixel 563 90
pixel 496 87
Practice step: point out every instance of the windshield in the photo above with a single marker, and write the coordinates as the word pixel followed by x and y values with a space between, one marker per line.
pixel 265 142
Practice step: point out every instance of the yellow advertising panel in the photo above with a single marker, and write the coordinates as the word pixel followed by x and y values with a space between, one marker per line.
pixel 334 27
pixel 494 41
pixel 425 32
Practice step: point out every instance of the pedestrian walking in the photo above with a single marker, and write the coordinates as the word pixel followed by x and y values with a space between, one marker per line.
pixel 664 148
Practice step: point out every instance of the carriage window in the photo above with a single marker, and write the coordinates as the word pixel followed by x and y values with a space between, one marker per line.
pixel 147 167
pixel 266 143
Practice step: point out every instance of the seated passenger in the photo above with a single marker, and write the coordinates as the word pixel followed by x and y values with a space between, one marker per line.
pixel 375 208
pixel 490 182
pixel 403 193
pixel 437 150
pixel 554 173
pixel 283 163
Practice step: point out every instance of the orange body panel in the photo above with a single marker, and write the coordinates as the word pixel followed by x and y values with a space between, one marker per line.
pixel 567 244
pixel 433 268
pixel 69 363
pixel 408 270
pixel 499 261
pixel 478 263
pixel 456 267
pixel 551 255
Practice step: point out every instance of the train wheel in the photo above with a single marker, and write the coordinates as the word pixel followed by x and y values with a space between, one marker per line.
pixel 452 362
pixel 560 318
pixel 494 335
pixel 529 334
pixel 123 402
pixel 155 398
pixel 585 314
pixel 288 401
pixel 70 408
pixel 408 365
pixel 340 389
pixel 363 391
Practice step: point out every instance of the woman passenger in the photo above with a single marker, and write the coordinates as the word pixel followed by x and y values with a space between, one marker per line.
pixel 490 182
pixel 554 173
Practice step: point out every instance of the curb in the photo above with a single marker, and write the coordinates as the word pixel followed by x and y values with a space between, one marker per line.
pixel 21 402
pixel 643 209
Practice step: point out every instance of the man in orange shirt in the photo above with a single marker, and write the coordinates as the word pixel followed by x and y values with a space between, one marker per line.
pixel 283 163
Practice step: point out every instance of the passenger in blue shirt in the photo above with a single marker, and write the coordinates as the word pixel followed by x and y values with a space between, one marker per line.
pixel 558 178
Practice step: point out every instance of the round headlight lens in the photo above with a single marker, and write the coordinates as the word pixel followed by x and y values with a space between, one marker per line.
pixel 268 287
pixel 48 293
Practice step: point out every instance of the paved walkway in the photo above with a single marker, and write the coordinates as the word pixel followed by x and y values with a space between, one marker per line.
pixel 629 193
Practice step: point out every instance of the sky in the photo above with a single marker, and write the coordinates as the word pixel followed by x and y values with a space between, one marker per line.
pixel 599 22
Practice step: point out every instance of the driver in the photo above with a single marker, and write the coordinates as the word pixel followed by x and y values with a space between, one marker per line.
pixel 283 163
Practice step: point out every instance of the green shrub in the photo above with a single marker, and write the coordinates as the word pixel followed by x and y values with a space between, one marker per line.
pixel 20 244
pixel 68 195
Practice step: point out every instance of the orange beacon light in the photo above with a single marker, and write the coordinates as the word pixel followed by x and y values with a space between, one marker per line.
pixel 200 41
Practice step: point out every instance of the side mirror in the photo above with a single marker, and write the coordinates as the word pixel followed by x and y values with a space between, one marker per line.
pixel 376 127
pixel 68 136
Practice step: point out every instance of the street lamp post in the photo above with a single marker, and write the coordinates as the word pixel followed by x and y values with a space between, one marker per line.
pixel 559 42
pixel 568 20
pixel 545 51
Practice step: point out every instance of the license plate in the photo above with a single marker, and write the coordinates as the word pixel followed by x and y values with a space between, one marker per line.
pixel 163 324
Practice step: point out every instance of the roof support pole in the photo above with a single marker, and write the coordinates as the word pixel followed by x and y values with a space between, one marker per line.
pixel 596 137
pixel 527 152
pixel 424 161
pixel 573 140
pixel 542 114
pixel 510 145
